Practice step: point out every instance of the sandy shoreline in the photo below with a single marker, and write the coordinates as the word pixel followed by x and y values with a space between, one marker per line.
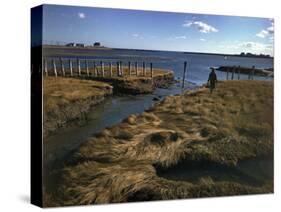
pixel 122 163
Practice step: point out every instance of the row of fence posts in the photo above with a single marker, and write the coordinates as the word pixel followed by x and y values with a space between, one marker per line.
pixel 120 71
pixel 236 70
pixel 119 68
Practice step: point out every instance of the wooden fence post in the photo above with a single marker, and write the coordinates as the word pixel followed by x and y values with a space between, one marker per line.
pixel 117 69
pixel 136 68
pixel 46 67
pixel 102 68
pixel 70 67
pixel 143 68
pixel 151 70
pixel 55 68
pixel 183 77
pixel 129 64
pixel 95 69
pixel 121 68
pixel 232 75
pixel 87 67
pixel 91 66
pixel 78 67
pixel 110 67
pixel 62 67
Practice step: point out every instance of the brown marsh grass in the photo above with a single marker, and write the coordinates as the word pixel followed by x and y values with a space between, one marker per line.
pixel 59 91
pixel 68 99
pixel 120 164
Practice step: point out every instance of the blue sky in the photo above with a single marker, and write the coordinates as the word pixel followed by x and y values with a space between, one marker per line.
pixel 158 30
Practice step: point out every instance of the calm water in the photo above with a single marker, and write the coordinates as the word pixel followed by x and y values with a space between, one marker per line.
pixel 116 108
pixel 198 64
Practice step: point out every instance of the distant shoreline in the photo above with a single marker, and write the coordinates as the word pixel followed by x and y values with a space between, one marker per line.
pixel 140 50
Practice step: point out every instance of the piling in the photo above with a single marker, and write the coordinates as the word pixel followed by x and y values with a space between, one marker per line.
pixel 184 71
pixel 117 69
pixel 55 68
pixel 121 68
pixel 129 64
pixel 151 70
pixel 62 67
pixel 70 67
pixel 102 68
pixel 87 67
pixel 143 68
pixel 233 70
pixel 110 68
pixel 78 67
pixel 95 69
pixel 136 68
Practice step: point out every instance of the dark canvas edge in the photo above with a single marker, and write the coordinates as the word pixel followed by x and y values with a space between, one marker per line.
pixel 36 189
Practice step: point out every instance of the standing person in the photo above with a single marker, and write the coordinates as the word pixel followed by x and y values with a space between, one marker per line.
pixel 212 80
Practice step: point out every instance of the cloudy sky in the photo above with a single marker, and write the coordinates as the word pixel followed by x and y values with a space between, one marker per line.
pixel 158 30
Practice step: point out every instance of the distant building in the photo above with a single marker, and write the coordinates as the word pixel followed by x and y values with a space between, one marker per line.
pixel 70 44
pixel 97 44
pixel 76 44
pixel 80 45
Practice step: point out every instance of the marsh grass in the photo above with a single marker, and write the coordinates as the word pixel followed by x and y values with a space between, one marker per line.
pixel 60 91
pixel 69 99
pixel 135 84
pixel 229 126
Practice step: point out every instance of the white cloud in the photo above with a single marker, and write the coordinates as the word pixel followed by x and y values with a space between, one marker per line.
pixel 187 23
pixel 202 39
pixel 201 26
pixel 262 34
pixel 266 32
pixel 81 15
pixel 137 35
pixel 181 37
pixel 271 29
